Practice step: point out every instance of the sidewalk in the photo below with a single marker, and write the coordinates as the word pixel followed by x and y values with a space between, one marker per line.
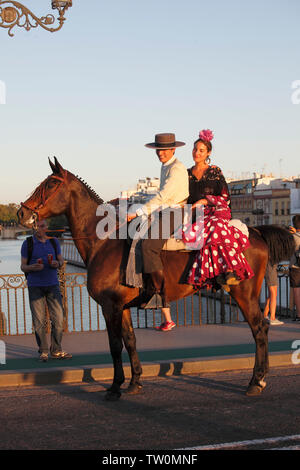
pixel 184 350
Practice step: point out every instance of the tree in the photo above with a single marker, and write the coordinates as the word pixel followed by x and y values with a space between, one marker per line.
pixel 8 213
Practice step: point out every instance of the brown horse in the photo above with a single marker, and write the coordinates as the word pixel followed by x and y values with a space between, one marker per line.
pixel 64 193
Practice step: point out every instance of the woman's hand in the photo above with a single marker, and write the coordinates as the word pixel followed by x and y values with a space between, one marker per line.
pixel 131 216
pixel 201 202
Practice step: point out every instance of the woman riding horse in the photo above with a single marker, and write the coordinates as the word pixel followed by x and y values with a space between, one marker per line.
pixel 220 259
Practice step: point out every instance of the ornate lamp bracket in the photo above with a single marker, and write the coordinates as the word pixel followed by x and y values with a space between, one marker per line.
pixel 13 14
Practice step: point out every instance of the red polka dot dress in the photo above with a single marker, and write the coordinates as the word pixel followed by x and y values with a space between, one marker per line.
pixel 222 244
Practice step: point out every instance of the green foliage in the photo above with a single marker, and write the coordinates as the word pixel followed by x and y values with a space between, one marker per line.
pixel 8 212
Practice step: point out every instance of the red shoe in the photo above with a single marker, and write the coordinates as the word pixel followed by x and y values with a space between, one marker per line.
pixel 167 326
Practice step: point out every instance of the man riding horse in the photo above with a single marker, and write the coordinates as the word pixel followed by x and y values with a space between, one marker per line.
pixel 173 193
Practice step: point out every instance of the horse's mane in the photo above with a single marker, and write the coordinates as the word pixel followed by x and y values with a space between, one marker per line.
pixel 90 190
pixel 37 192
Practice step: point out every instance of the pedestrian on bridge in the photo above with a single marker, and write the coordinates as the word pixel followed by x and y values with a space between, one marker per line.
pixel 40 259
pixel 271 278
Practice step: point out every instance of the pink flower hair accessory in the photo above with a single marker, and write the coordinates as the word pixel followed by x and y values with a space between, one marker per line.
pixel 206 135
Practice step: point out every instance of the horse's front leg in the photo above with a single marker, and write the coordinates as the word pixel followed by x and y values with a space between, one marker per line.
pixel 129 339
pixel 259 328
pixel 113 319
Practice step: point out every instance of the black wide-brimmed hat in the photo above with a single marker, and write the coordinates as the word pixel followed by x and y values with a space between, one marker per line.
pixel 165 141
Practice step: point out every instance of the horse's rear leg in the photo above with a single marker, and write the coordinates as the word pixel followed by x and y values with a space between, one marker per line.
pixel 113 321
pixel 259 328
pixel 129 339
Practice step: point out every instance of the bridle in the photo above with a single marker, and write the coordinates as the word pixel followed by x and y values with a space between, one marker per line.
pixel 45 200
pixel 35 210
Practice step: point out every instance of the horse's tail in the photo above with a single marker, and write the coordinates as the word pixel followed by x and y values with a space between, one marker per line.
pixel 280 241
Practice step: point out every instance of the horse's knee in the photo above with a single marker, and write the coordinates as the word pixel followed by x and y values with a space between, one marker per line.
pixel 260 328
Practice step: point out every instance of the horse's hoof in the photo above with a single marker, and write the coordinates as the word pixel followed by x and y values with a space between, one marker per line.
pixel 255 390
pixel 134 389
pixel 112 396
pixel 114 387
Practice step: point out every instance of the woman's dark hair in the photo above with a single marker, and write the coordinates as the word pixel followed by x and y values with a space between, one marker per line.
pixel 207 144
pixel 296 221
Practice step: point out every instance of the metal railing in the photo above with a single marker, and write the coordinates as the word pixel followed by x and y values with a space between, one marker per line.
pixel 70 252
pixel 82 313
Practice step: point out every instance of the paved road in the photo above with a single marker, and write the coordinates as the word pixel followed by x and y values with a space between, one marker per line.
pixel 173 413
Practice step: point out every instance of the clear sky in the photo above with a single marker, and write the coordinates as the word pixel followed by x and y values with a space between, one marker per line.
pixel 120 71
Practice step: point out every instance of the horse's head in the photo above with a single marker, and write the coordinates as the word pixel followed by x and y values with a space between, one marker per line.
pixel 48 199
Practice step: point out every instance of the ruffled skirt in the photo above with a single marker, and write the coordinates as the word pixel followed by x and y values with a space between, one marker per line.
pixel 221 251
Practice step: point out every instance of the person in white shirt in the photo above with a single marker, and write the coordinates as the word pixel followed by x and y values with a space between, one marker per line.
pixel 173 193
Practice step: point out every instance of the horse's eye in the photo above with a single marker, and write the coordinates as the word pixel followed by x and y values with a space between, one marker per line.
pixel 51 183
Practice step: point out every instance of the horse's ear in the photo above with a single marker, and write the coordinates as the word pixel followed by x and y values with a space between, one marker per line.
pixel 56 166
pixel 52 166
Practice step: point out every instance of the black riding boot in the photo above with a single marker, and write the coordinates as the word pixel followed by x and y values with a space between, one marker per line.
pixel 157 296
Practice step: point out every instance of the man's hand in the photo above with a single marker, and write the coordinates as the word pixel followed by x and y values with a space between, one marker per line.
pixel 54 264
pixel 131 216
pixel 36 267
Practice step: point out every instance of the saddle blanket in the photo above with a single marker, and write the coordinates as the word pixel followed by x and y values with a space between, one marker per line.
pixel 178 245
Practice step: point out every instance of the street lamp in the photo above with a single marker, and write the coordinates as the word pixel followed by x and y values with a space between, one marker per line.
pixel 13 14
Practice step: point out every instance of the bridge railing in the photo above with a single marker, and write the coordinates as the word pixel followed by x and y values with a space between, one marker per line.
pixel 82 313
pixel 11 231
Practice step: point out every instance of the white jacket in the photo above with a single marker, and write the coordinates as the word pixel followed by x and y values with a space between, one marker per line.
pixel 174 187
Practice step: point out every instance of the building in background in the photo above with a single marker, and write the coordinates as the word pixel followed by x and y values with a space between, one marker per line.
pixel 145 190
pixel 295 198
pixel 241 194
pixel 264 199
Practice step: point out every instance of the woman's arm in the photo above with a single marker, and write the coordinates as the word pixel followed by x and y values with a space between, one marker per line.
pixel 201 202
